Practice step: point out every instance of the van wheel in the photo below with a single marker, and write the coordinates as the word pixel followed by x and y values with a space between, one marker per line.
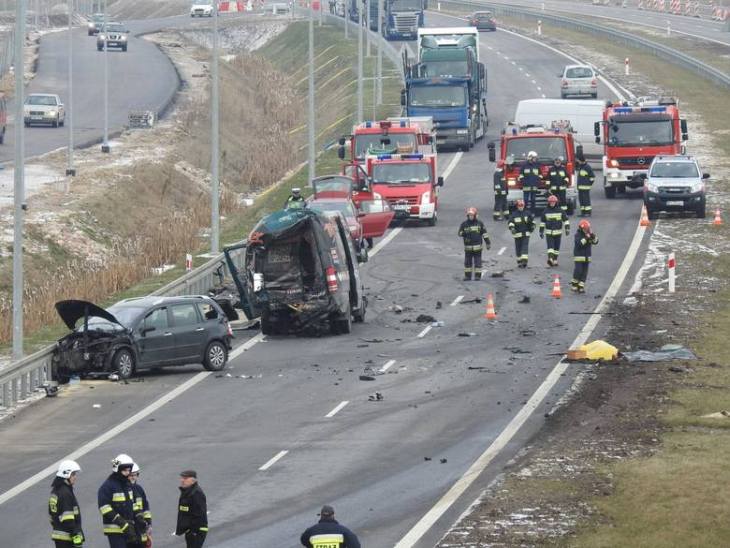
pixel 123 363
pixel 610 192
pixel 216 356
pixel 651 214
pixel 433 220
pixel 342 325
pixel 359 315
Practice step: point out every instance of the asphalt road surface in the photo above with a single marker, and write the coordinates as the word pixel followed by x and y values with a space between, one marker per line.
pixel 271 448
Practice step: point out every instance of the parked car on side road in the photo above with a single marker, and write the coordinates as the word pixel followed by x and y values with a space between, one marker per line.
pixel 43 108
pixel 675 183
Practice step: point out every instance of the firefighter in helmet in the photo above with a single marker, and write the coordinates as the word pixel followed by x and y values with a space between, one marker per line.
pixel 521 224
pixel 558 179
pixel 63 507
pixel 585 239
pixel 586 177
pixel 552 223
pixel 295 199
pixel 473 232
pixel 530 179
pixel 501 211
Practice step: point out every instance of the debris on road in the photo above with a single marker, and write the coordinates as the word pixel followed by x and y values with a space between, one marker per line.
pixel 367 378
pixel 377 396
pixel 439 305
pixel 524 300
pixel 666 352
pixel 498 274
pixel 719 415
pixel 51 391
pixel 472 301
pixel 113 377
pixel 398 309
pixel 437 323
pixel 425 318
pixel 443 461
pixel 594 351
pixel 528 332
pixel 469 334
pixel 427 458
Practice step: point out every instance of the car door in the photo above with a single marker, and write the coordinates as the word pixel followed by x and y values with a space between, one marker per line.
pixel 375 216
pixel 189 332
pixel 156 340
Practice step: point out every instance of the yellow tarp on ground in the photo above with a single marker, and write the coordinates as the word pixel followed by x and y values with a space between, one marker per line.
pixel 600 350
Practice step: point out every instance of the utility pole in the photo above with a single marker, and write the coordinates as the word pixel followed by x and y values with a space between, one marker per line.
pixel 214 143
pixel 312 169
pixel 380 51
pixel 347 21
pixel 360 106
pixel 70 171
pixel 19 180
pixel 367 28
pixel 105 143
pixel 321 9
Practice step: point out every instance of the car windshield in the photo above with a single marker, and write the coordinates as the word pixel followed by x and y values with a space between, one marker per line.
pixel 438 96
pixel 406 5
pixel 547 148
pixel 674 170
pixel 579 72
pixel 393 142
pixel 113 27
pixel 333 184
pixel 126 315
pixel 393 173
pixel 434 69
pixel 46 100
pixel 644 133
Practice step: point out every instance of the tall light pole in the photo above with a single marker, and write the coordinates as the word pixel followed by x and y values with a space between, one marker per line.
pixel 19 180
pixel 347 20
pixel 320 10
pixel 70 171
pixel 380 52
pixel 359 69
pixel 105 143
pixel 367 18
pixel 311 96
pixel 214 143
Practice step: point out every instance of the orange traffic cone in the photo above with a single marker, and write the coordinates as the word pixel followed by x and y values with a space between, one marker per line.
pixel 718 218
pixel 556 288
pixel 491 314
pixel 644 217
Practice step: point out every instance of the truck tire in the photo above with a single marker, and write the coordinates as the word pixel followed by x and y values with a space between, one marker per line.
pixel 433 220
pixel 610 192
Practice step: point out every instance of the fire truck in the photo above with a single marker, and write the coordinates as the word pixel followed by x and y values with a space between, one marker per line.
pixel 549 143
pixel 391 136
pixel 408 182
pixel 633 134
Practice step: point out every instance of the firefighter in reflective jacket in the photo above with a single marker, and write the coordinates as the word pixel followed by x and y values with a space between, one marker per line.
pixel 328 533
pixel 63 508
pixel 142 513
pixel 473 232
pixel 552 223
pixel 295 200
pixel 521 224
pixel 192 511
pixel 585 182
pixel 559 180
pixel 116 504
pixel 530 179
pixel 584 242
pixel 500 193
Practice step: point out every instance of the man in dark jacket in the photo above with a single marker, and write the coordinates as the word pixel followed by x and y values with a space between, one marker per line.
pixel 586 177
pixel 584 242
pixel 473 231
pixel 116 504
pixel 192 511
pixel 559 180
pixel 521 224
pixel 500 193
pixel 328 533
pixel 552 223
pixel 530 179
pixel 63 508
pixel 142 512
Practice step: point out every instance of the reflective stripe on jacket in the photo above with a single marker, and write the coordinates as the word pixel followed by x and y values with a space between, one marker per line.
pixel 63 511
pixel 553 221
pixel 585 177
pixel 558 178
pixel 473 233
pixel 582 248
pixel 521 223
pixel 500 184
pixel 116 504
pixel 530 175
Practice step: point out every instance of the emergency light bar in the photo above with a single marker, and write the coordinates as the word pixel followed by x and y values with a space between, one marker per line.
pixel 399 156
pixel 629 110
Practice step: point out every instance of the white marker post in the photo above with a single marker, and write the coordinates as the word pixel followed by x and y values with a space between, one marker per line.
pixel 672 266
pixel 539 27
pixel 188 262
pixel 627 67
pixel 669 28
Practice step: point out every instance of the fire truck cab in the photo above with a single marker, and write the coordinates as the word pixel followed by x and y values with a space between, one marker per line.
pixel 633 134
pixel 392 136
pixel 549 143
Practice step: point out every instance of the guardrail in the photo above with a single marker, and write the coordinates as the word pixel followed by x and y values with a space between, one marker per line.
pixel 19 379
pixel 672 55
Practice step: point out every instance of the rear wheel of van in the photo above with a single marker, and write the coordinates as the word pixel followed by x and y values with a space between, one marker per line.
pixel 433 220
pixel 342 325
pixel 123 363
pixel 610 192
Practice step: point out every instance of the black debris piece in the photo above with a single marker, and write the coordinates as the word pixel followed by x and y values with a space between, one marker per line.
pixel 524 300
pixel 367 378
pixel 425 318
pixel 377 396
pixel 469 334
pixel 443 461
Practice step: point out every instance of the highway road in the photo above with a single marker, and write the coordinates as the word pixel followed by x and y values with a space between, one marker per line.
pixel 299 430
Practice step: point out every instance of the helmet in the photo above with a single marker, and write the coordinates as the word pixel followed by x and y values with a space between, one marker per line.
pixel 135 468
pixel 66 468
pixel 122 461
pixel 532 154
pixel 552 199
pixel 559 159
pixel 520 203
pixel 471 211
pixel 296 190
pixel 584 225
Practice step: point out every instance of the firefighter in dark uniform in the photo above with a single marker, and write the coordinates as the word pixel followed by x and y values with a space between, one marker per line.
pixel 142 513
pixel 328 533
pixel 192 511
pixel 559 180
pixel 530 179
pixel 63 508
pixel 552 223
pixel 501 211
pixel 585 182
pixel 584 242
pixel 116 504
pixel 473 232
pixel 295 199
pixel 521 224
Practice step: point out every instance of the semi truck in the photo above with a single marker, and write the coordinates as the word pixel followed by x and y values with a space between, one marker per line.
pixel 401 18
pixel 633 134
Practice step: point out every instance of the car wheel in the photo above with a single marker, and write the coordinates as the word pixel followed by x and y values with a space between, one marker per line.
pixel 216 356
pixel 702 212
pixel 27 124
pixel 594 95
pixel 651 214
pixel 99 48
pixel 562 95
pixel 123 363
pixel 62 122
pixel 124 48
pixel 610 192
pixel 433 220
pixel 359 315
pixel 267 328
pixel 90 33
pixel 55 122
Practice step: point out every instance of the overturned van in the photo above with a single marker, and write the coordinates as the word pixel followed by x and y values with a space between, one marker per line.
pixel 300 274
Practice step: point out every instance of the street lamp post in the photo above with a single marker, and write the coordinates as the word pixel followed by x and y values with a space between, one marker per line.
pixel 360 69
pixel 105 143
pixel 380 52
pixel 311 143
pixel 214 143
pixel 70 170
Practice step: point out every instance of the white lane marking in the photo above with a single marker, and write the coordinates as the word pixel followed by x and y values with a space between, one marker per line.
pixel 520 69
pixel 452 165
pixel 336 410
pixel 534 82
pixel 457 300
pixel 539 88
pixel 387 366
pixel 245 346
pixel 273 460
pixel 475 470
pixel 490 48
pixel 514 63
pixel 425 330
pixel 118 429
pixel 543 96
pixel 527 74
pixel 501 250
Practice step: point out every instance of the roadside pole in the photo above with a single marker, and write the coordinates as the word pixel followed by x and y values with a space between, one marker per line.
pixel 70 171
pixel 214 142
pixel 311 96
pixel 105 142
pixel 19 182
pixel 359 70
pixel 321 9
pixel 380 52
pixel 367 28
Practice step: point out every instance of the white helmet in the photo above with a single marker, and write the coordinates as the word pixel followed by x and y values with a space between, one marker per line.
pixel 66 468
pixel 532 154
pixel 135 468
pixel 122 461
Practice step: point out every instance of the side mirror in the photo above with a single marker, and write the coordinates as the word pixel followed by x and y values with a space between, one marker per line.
pixel 403 98
pixel 492 152
pixel 342 141
pixel 341 152
pixel 685 136
pixel 440 181
pixel 362 256
pixel 597 129
pixel 683 127
pixel 598 140
pixel 705 175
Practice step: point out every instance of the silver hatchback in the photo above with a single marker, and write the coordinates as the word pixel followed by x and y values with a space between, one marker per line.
pixel 578 80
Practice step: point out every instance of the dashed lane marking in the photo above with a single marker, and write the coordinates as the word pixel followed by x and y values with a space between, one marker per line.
pixel 336 410
pixel 501 250
pixel 387 366
pixel 424 332
pixel 457 300
pixel 273 460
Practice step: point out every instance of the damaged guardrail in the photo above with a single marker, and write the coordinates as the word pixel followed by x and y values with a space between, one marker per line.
pixel 21 378
pixel 664 52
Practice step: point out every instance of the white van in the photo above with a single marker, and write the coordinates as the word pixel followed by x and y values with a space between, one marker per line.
pixel 581 115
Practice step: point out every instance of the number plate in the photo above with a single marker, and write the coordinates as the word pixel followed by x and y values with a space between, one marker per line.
pixel 675 203
pixel 401 207
pixel 36 117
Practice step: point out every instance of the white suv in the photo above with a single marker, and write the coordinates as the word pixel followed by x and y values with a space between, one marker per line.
pixel 675 183
pixel 201 10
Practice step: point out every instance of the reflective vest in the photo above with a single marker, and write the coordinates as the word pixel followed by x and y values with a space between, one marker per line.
pixel 473 232
pixel 582 248
pixel 521 223
pixel 553 221
pixel 558 177
pixel 116 504
pixel 500 183
pixel 530 176
pixel 585 177
pixel 64 514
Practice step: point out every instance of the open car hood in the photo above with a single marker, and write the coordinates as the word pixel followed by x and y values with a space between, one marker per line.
pixel 72 311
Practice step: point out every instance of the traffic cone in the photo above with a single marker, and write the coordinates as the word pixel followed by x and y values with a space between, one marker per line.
pixel 644 217
pixel 491 314
pixel 556 288
pixel 718 218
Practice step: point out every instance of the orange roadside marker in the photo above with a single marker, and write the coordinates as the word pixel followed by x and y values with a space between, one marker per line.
pixel 556 288
pixel 644 217
pixel 718 218
pixel 491 314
